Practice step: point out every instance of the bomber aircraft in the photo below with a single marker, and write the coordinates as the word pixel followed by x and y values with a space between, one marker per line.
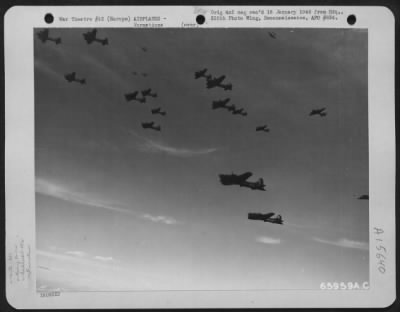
pixel 241 180
pixel 239 111
pixel 201 73
pixel 44 36
pixel 266 217
pixel 90 37
pixel 147 92
pixel 150 125
pixel 220 103
pixel 133 97
pixel 320 111
pixel 72 77
pixel 263 128
pixel 158 111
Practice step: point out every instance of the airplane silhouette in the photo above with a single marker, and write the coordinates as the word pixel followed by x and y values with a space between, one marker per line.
pixel 215 82
pixel 320 111
pixel 241 180
pixel 220 103
pixel 147 92
pixel 364 197
pixel 150 125
pixel 158 111
pixel 201 73
pixel 44 36
pixel 90 37
pixel 72 77
pixel 262 128
pixel 133 97
pixel 266 217
pixel 272 34
pixel 239 111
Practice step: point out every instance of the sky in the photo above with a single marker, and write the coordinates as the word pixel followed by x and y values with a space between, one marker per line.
pixel 119 207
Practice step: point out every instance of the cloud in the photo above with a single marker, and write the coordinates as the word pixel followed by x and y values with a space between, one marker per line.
pixel 104 259
pixel 45 68
pixel 268 240
pixel 344 242
pixel 76 253
pixel 50 189
pixel 160 219
pixel 152 146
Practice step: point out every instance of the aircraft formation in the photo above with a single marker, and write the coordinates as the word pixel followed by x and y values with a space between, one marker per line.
pixel 141 97
pixel 144 95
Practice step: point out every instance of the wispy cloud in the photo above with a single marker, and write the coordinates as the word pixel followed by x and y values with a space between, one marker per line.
pixel 48 188
pixel 344 242
pixel 268 240
pixel 104 259
pixel 45 68
pixel 76 253
pixel 147 145
pixel 160 219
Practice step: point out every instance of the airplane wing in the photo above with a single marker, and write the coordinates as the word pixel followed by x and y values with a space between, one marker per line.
pixel 260 216
pixel 243 177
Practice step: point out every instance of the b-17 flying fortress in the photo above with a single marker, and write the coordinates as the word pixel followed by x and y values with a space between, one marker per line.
pixel 91 37
pixel 241 180
pixel 262 128
pixel 320 111
pixel 72 77
pixel 44 36
pixel 150 125
pixel 266 217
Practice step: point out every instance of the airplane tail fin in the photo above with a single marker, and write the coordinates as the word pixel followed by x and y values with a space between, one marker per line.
pixel 83 81
pixel 214 105
pixel 323 114
pixel 58 41
pixel 158 128
pixel 163 113
pixel 104 42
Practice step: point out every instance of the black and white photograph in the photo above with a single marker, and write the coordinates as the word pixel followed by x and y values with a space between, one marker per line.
pixel 201 159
